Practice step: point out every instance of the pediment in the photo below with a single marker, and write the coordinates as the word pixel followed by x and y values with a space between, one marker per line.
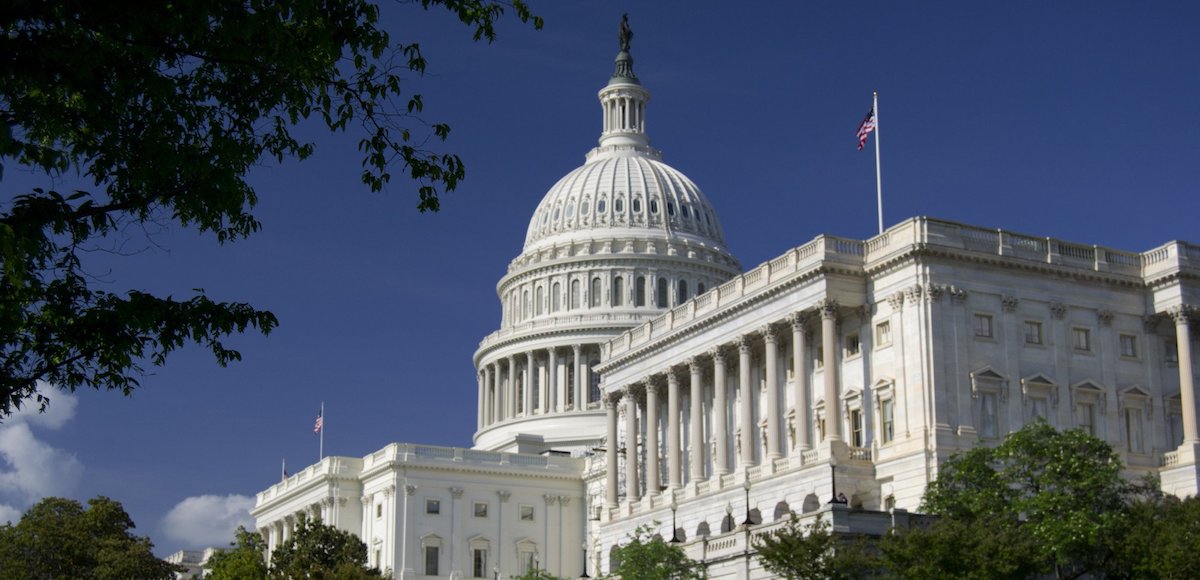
pixel 987 373
pixel 1039 379
pixel 1135 391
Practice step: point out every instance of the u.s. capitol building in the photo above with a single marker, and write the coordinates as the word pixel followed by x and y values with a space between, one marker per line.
pixel 640 378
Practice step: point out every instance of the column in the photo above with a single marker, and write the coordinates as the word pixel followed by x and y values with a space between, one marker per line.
pixel 720 418
pixel 511 389
pixel 774 417
pixel 480 400
pixel 631 440
pixel 696 421
pixel 497 396
pixel 800 388
pixel 527 401
pixel 1187 394
pixel 746 399
pixel 674 457
pixel 580 405
pixel 829 312
pixel 552 382
pixel 651 438
pixel 610 449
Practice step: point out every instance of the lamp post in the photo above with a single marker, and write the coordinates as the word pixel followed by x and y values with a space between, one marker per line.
pixel 833 498
pixel 674 530
pixel 746 486
pixel 495 572
pixel 585 558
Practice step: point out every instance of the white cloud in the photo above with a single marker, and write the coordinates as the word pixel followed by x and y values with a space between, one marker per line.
pixel 9 514
pixel 30 468
pixel 208 520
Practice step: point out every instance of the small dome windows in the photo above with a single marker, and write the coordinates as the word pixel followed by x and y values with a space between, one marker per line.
pixel 654 206
pixel 670 209
pixel 602 205
pixel 619 205
pixel 585 206
pixel 556 214
pixel 571 209
pixel 637 205
pixel 684 210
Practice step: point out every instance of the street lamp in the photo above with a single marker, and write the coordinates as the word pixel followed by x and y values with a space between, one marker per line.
pixel 495 572
pixel 833 498
pixel 746 486
pixel 674 530
pixel 585 558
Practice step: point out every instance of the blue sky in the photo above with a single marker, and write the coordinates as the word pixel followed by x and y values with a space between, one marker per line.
pixel 1064 119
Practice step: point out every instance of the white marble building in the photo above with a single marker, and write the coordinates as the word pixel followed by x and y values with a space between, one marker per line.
pixel 639 377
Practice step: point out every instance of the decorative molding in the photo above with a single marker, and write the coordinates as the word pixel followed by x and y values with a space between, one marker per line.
pixel 957 294
pixel 564 500
pixel 1181 314
pixel 718 354
pixel 769 334
pixel 743 344
pixel 1105 316
pixel 550 499
pixel 828 308
pixel 694 365
pixel 1150 323
pixel 865 311
pixel 1009 302
pixel 896 300
pixel 933 292
pixel 410 489
pixel 913 293
pixel 798 320
pixel 1058 310
pixel 456 492
pixel 504 495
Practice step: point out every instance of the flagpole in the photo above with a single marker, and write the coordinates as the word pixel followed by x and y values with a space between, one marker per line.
pixel 283 470
pixel 878 178
pixel 321 451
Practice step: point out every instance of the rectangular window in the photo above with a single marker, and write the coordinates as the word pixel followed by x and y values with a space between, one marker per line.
pixel 887 409
pixel 379 510
pixel 481 509
pixel 1176 422
pixel 479 563
pixel 857 436
pixel 1081 339
pixel 883 333
pixel 983 325
pixel 853 344
pixel 431 560
pixel 821 426
pixel 1129 346
pixel 1171 352
pixel 527 562
pixel 987 416
pixel 1086 417
pixel 820 356
pixel 526 513
pixel 1038 409
pixel 1133 430
pixel 1033 332
pixel 433 507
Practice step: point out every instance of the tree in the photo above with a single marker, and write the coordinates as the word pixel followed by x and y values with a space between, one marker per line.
pixel 536 574
pixel 316 550
pixel 163 109
pixel 949 548
pixel 59 538
pixel 647 557
pixel 1162 540
pixel 813 552
pixel 244 560
pixel 1060 491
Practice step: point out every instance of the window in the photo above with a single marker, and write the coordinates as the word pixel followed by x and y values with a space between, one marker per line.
pixel 1175 424
pixel 887 412
pixel 1039 408
pixel 479 558
pixel 637 205
pixel 889 503
pixel 619 205
pixel 538 301
pixel 983 325
pixel 1171 352
pixel 820 356
pixel 618 291
pixel 481 508
pixel 883 333
pixel 596 297
pixel 555 297
pixel 639 294
pixel 1129 346
pixel 431 560
pixel 821 426
pixel 1133 430
pixel 683 295
pixel 987 416
pixel 1086 417
pixel 594 386
pixel 857 434
pixel 526 311
pixel 853 344
pixel 662 293
pixel 574 294
pixel 670 208
pixel 1081 339
pixel 654 206
pixel 379 510
pixel 699 288
pixel 433 507
pixel 1033 332
pixel 526 513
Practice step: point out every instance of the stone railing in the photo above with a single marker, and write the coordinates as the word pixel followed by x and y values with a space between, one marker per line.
pixel 330 466
pixel 1169 458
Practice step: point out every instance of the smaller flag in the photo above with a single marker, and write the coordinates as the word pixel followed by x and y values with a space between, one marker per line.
pixel 283 469
pixel 868 125
pixel 320 422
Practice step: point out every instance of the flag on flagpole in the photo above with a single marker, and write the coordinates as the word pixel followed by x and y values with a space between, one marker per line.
pixel 320 422
pixel 864 129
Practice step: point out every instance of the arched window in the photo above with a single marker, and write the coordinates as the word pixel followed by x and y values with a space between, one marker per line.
pixel 525 310
pixel 596 297
pixel 574 294
pixel 571 209
pixel 639 293
pixel 601 205
pixel 654 206
pixel 699 288
pixel 555 297
pixel 619 205
pixel 618 291
pixel 683 295
pixel 662 293
pixel 539 300
pixel 637 205
pixel 670 208
pixel 594 386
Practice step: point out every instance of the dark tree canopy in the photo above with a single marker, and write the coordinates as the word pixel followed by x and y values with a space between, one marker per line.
pixel 163 107
pixel 316 550
pixel 647 557
pixel 59 538
pixel 244 560
pixel 813 552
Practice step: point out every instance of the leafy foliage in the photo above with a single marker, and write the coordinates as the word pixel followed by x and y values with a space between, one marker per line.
pixel 813 552
pixel 244 560
pixel 164 108
pixel 1161 541
pixel 59 538
pixel 647 557
pixel 536 574
pixel 950 548
pixel 316 550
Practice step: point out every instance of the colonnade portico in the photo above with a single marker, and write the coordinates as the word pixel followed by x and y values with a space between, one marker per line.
pixel 510 385
pixel 752 447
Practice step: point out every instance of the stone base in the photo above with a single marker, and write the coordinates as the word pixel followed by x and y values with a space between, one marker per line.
pixel 1182 477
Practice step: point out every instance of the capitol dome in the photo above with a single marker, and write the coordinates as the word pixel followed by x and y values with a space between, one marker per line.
pixel 613 244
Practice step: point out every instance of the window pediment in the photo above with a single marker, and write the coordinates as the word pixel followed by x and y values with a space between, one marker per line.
pixel 1136 397
pixel 988 380
pixel 1089 392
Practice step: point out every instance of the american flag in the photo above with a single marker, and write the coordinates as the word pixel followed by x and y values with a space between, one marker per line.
pixel 320 423
pixel 868 125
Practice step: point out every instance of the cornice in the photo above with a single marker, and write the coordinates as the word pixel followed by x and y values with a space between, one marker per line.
pixel 914 252
pixel 558 266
